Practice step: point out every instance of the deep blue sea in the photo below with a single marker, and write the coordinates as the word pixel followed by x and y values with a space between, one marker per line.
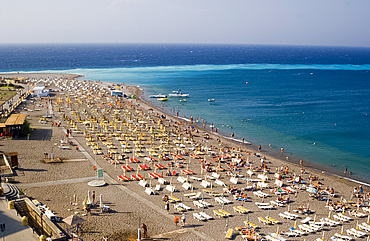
pixel 312 101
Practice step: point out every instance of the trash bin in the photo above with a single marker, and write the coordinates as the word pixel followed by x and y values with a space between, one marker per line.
pixel 24 221
pixel 11 205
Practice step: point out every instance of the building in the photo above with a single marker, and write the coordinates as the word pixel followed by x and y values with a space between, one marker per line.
pixel 13 126
pixel 40 91
pixel 116 93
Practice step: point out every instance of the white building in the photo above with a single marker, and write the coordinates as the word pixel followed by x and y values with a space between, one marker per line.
pixel 40 91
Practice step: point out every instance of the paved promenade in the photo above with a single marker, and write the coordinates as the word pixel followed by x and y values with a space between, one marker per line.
pixel 13 226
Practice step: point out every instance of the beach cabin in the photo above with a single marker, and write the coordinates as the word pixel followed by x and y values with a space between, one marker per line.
pixel 13 126
pixel 116 93
pixel 40 91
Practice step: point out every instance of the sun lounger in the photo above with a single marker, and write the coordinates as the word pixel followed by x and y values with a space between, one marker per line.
pixel 241 209
pixel 140 177
pixel 206 216
pixel 196 178
pixel 283 215
pixel 291 214
pixel 306 228
pixel 226 201
pixel 190 194
pixel 249 224
pixel 170 188
pixel 186 207
pixel 306 220
pixel 162 181
pixel 196 196
pixel 262 204
pixel 364 226
pixel 174 199
pixel 133 160
pixel 224 212
pixel 343 237
pixel 229 233
pixel 199 217
pixel 344 216
pixel 279 204
pixel 220 183
pixel 186 186
pixel 152 175
pixel 330 222
pixel 357 214
pixel 135 178
pixel 143 183
pixel 355 233
pixel 273 221
pixel 264 221
pixel 207 204
pixel 216 175
pixel 181 179
pixel 199 204
pixel 337 217
pixel 291 234
pixel 219 214
pixel 123 178
pixel 216 194
pixel 219 200
pixel 264 207
pixel 205 184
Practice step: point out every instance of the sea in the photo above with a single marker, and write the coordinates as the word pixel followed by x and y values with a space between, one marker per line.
pixel 311 101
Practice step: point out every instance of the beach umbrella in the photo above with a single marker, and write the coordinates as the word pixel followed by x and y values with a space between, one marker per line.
pixel 89 197
pixel 329 213
pixel 73 220
pixel 368 219
pixel 323 235
pixel 295 224
pixel 101 200
pixel 342 230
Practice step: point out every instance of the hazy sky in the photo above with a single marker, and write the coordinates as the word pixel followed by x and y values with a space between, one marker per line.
pixel 287 22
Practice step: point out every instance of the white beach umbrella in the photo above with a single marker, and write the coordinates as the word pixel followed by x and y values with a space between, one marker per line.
pixel 101 200
pixel 89 197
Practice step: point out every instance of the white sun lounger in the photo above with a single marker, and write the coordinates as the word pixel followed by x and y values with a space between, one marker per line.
pixel 306 228
pixel 306 220
pixel 205 203
pixel 266 207
pixel 279 204
pixel 343 237
pixel 355 233
pixel 206 216
pixel 364 226
pixel 291 214
pixel 199 217
pixel 283 215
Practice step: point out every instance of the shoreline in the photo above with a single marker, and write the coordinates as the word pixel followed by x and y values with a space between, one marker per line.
pixel 129 199
pixel 254 147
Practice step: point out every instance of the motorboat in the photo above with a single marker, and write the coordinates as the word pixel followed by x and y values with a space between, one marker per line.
pixel 211 100
pixel 178 93
pixel 158 96
pixel 162 99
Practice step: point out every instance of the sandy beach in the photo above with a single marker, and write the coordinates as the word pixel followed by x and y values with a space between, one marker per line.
pixel 123 128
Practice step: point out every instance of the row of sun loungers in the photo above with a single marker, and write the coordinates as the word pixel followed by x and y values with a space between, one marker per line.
pixel 356 233
pixel 288 215
pixel 222 200
pixel 241 209
pixel 341 217
pixel 221 213
pixel 144 167
pixel 364 226
pixel 202 216
pixel 261 194
pixel 127 168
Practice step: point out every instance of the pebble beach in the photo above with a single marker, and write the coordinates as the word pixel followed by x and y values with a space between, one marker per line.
pixel 85 115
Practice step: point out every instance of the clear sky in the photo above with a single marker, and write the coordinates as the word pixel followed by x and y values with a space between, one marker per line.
pixel 272 22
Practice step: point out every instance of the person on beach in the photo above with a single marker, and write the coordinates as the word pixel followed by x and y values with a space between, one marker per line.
pixel 176 220
pixel 145 230
pixel 183 219
pixel 167 206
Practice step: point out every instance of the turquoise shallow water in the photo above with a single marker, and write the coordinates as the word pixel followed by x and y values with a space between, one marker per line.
pixel 311 101
pixel 316 114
